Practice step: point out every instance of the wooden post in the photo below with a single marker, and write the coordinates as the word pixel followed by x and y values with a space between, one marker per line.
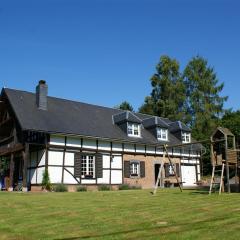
pixel 25 155
pixel 11 176
pixel 227 165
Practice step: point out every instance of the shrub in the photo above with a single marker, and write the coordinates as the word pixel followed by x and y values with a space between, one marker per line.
pixel 81 189
pixel 124 187
pixel 104 188
pixel 46 184
pixel 60 188
pixel 128 187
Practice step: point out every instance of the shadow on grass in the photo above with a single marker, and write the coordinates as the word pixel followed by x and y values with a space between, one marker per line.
pixel 108 234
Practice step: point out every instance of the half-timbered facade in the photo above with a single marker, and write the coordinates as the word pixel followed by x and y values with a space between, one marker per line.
pixel 84 144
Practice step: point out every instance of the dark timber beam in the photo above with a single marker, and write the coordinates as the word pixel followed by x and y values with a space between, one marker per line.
pixel 25 155
pixel 11 175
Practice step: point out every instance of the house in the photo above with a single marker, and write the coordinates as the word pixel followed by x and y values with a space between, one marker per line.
pixel 89 145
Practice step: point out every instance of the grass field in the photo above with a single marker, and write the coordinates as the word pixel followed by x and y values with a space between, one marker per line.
pixel 131 214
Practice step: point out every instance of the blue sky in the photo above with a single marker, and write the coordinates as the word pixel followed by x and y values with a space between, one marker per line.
pixel 105 51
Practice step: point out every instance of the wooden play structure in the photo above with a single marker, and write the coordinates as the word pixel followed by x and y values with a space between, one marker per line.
pixel 225 156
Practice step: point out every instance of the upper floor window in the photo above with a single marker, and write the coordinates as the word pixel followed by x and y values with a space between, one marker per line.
pixel 162 134
pixel 186 137
pixel 133 129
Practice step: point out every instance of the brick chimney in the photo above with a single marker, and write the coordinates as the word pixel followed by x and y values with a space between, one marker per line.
pixel 41 95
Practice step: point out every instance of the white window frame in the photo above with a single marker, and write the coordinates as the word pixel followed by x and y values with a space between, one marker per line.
pixel 186 137
pixel 132 127
pixel 161 132
pixel 88 166
pixel 134 169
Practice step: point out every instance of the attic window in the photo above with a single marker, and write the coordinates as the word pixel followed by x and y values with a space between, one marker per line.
pixel 186 137
pixel 162 134
pixel 133 129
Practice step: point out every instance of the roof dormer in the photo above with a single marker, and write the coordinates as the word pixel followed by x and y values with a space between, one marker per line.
pixel 181 131
pixel 157 127
pixel 129 123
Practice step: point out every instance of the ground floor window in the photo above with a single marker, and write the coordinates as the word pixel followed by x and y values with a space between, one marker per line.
pixel 135 169
pixel 88 166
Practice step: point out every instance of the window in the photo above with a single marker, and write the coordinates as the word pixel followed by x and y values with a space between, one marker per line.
pixel 162 134
pixel 133 129
pixel 171 169
pixel 186 137
pixel 134 169
pixel 88 166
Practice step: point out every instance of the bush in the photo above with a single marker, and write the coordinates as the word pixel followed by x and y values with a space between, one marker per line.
pixel 104 188
pixel 81 189
pixel 124 187
pixel 60 188
pixel 46 184
pixel 128 187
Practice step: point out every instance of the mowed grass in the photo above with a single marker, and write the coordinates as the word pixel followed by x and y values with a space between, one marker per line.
pixel 131 214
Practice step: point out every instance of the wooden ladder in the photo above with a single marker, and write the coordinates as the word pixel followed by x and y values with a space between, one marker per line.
pixel 165 153
pixel 213 183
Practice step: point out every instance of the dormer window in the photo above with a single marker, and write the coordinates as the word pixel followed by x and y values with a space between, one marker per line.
pixel 133 129
pixel 162 134
pixel 186 137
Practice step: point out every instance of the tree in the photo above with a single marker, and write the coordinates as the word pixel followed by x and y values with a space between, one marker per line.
pixel 231 120
pixel 168 91
pixel 125 106
pixel 203 103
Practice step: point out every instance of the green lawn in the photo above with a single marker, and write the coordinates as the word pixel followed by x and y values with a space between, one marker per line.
pixel 132 214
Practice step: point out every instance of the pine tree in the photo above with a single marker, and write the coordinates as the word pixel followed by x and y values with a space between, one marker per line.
pixel 204 103
pixel 168 91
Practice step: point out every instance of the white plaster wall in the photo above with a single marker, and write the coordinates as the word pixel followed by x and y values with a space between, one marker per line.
pixel 106 161
pixel 150 149
pixel 116 162
pixel 140 148
pixel 55 158
pixel 89 143
pixel 129 147
pixel 42 155
pixel 33 173
pixel 88 181
pixel 117 146
pixel 73 142
pixel 106 177
pixel 40 172
pixel 116 176
pixel 55 174
pixel 68 178
pixel 69 159
pixel 102 145
pixel 57 140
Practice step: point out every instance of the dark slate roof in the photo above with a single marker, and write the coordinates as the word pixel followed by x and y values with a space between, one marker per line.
pixel 70 117
pixel 177 126
pixel 126 116
pixel 153 122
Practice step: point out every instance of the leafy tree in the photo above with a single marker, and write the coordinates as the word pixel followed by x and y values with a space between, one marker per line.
pixel 204 103
pixel 125 106
pixel 231 120
pixel 168 91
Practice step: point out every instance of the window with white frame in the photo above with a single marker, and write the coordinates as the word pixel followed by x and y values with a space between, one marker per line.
pixel 88 166
pixel 162 134
pixel 134 169
pixel 186 137
pixel 133 129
